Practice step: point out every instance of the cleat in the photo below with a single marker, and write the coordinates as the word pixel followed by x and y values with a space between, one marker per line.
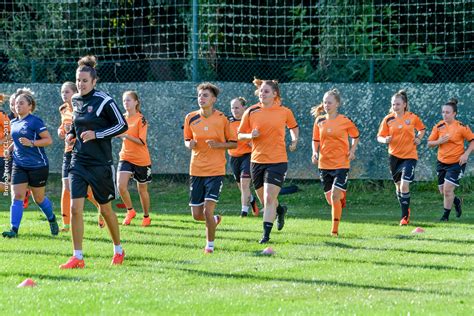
pixel 218 219
pixel 254 205
pixel 128 218
pixel 208 250
pixel 100 221
pixel 73 263
pixel 334 234
pixel 118 259
pixel 458 208
pixel 244 214
pixel 404 221
pixel 264 240
pixel 146 221
pixel 53 227
pixel 444 218
pixel 10 234
pixel 281 212
pixel 26 200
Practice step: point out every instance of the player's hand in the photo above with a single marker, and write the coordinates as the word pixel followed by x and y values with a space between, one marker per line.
pixel 192 143
pixel 25 142
pixel 87 136
pixel 213 144
pixel 293 145
pixel 315 158
pixel 464 158
pixel 351 155
pixel 61 133
pixel 70 139
pixel 417 141
pixel 388 139
pixel 443 139
pixel 255 133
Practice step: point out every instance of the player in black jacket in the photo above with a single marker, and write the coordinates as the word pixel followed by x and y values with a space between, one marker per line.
pixel 96 119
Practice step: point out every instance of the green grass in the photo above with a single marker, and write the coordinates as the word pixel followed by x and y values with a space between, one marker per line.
pixel 374 267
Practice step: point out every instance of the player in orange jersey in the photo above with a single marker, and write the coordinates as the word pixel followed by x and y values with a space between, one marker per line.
pixel 449 135
pixel 240 159
pixel 67 91
pixel 331 152
pixel 207 134
pixel 398 131
pixel 134 158
pixel 264 123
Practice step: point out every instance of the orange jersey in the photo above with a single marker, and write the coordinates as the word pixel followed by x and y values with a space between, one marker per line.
pixel 66 122
pixel 243 146
pixel 132 152
pixel 206 161
pixel 402 131
pixel 5 131
pixel 451 151
pixel 270 146
pixel 333 137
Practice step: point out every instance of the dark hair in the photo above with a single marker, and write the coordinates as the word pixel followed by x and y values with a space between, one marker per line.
pixel 317 110
pixel 402 94
pixel 28 95
pixel 272 83
pixel 134 95
pixel 88 64
pixel 208 86
pixel 453 103
pixel 242 101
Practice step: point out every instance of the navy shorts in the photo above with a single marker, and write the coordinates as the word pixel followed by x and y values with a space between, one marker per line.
pixel 402 169
pixel 66 163
pixel 141 174
pixel 240 167
pixel 34 177
pixel 204 189
pixel 334 177
pixel 272 173
pixel 101 179
pixel 451 173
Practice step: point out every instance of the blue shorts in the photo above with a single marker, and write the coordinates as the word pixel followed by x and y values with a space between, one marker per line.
pixel 272 173
pixel 402 169
pixel 101 179
pixel 334 177
pixel 451 173
pixel 34 177
pixel 240 167
pixel 203 189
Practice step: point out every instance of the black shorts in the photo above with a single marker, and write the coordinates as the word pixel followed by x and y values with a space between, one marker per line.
pixel 402 169
pixel 34 177
pixel 66 164
pixel 451 173
pixel 101 179
pixel 272 173
pixel 204 189
pixel 240 167
pixel 337 178
pixel 141 174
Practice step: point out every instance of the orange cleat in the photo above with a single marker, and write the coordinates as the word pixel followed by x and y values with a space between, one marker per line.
pixel 128 218
pixel 404 221
pixel 146 221
pixel 208 250
pixel 73 263
pixel 118 259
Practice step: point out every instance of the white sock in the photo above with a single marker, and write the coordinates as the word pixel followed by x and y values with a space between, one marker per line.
pixel 252 198
pixel 245 209
pixel 210 245
pixel 118 249
pixel 78 254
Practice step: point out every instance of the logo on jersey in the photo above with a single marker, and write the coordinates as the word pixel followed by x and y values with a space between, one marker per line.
pixel 89 109
pixel 407 122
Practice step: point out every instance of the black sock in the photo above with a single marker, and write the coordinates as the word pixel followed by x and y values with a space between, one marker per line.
pixel 447 211
pixel 146 216
pixel 457 201
pixel 405 203
pixel 279 209
pixel 267 229
pixel 15 229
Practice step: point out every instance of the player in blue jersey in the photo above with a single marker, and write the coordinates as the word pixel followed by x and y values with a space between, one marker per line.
pixel 30 164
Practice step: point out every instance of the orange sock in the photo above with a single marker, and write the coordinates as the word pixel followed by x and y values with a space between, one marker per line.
pixel 336 211
pixel 66 207
pixel 328 197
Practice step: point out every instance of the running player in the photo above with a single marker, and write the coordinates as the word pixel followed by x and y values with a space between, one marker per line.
pixel 264 123
pixel 240 159
pixel 398 131
pixel 134 158
pixel 30 164
pixel 207 134
pixel 96 119
pixel 67 90
pixel 331 152
pixel 449 135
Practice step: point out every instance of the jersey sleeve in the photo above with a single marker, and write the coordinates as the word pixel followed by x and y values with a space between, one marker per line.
pixel 188 133
pixel 230 135
pixel 316 136
pixel 118 125
pixel 384 130
pixel 352 130
pixel 434 133
pixel 419 126
pixel 39 126
pixel 244 126
pixel 467 133
pixel 290 119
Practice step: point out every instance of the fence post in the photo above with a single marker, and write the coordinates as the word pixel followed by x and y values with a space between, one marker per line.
pixel 33 70
pixel 195 39
pixel 371 71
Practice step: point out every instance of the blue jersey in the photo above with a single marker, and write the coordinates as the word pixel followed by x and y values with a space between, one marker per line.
pixel 28 157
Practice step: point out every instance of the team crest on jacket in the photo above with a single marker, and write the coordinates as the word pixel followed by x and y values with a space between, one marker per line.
pixel 407 122
pixel 89 109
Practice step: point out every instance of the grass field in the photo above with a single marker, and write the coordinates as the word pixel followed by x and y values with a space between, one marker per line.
pixel 373 267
